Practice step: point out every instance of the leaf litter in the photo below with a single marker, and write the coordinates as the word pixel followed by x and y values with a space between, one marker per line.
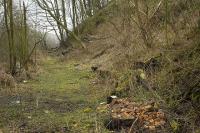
pixel 133 116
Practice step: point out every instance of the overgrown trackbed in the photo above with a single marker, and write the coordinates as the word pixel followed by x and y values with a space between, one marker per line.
pixel 60 99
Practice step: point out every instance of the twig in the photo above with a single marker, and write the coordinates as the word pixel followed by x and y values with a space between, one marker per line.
pixel 35 45
pixel 133 124
pixel 108 123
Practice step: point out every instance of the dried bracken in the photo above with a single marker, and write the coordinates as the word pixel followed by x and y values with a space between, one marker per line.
pixel 130 115
pixel 6 80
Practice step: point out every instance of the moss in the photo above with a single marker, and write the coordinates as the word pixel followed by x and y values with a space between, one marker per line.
pixel 59 100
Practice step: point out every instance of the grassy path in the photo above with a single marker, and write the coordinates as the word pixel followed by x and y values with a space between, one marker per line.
pixel 60 99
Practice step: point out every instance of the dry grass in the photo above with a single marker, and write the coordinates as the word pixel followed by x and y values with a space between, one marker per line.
pixel 179 59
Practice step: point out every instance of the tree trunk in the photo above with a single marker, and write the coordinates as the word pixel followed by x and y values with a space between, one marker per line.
pixel 9 22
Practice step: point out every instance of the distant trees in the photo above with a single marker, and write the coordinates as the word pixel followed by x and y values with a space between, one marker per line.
pixel 52 9
pixel 56 11
pixel 1 8
pixel 78 10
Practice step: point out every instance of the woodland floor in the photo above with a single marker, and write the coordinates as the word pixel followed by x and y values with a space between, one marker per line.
pixel 62 98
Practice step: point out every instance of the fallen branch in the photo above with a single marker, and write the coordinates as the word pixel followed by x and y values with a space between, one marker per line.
pixel 133 125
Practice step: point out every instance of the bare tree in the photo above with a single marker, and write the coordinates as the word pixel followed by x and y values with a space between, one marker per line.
pixel 17 35
pixel 9 22
pixel 53 11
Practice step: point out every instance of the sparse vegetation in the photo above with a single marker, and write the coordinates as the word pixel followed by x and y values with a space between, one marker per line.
pixel 145 53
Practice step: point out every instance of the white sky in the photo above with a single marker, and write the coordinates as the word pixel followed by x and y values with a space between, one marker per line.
pixel 37 18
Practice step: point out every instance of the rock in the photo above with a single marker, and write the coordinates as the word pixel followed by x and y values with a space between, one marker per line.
pixel 94 68
pixel 102 103
pixel 17 102
pixel 46 111
pixel 25 81
pixel 66 51
pixel 150 66
pixel 110 99
pixel 22 75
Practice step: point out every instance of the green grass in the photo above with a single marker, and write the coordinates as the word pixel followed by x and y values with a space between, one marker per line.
pixel 60 98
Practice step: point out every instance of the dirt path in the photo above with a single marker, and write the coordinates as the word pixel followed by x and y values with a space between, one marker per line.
pixel 61 98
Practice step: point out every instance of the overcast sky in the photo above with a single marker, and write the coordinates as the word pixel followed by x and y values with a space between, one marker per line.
pixel 37 18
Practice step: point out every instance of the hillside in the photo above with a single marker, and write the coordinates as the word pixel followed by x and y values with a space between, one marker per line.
pixel 169 69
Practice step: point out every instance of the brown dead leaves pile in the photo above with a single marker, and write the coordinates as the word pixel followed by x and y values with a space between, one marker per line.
pixel 146 116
